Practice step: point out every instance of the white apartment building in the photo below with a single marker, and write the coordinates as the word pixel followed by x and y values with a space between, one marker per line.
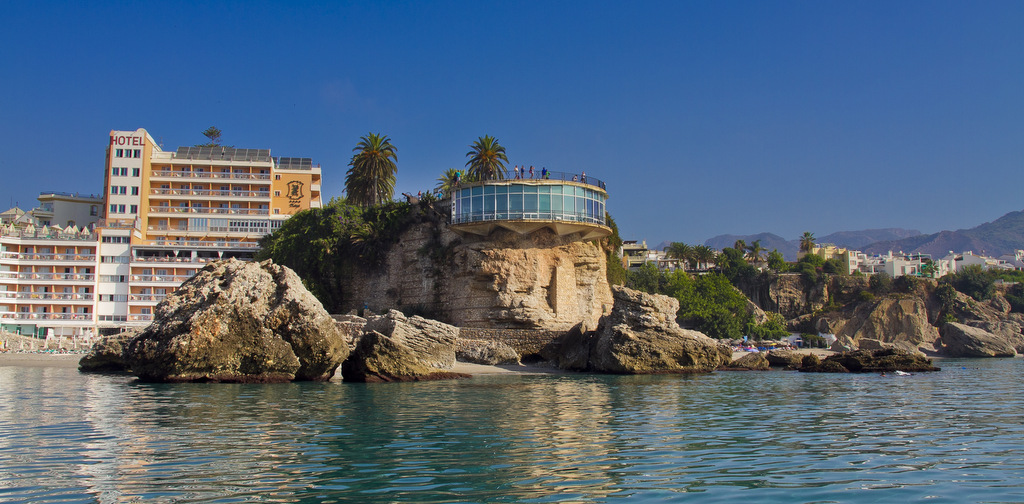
pixel 165 215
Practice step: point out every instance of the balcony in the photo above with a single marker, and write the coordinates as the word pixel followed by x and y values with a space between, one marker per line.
pixel 31 256
pixel 178 175
pixel 207 211
pixel 83 317
pixel 177 279
pixel 219 193
pixel 46 296
pixel 220 244
pixel 50 277
pixel 140 317
pixel 152 298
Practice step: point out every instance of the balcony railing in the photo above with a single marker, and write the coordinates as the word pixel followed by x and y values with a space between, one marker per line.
pixel 160 278
pixel 46 234
pixel 211 175
pixel 32 256
pixel 210 192
pixel 140 317
pixel 146 297
pixel 48 276
pixel 45 316
pixel 467 217
pixel 211 211
pixel 201 243
pixel 46 296
pixel 198 260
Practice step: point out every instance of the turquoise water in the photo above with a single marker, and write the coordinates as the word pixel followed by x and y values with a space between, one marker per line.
pixel 952 436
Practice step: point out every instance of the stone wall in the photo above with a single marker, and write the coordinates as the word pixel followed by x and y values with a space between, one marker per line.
pixel 505 280
pixel 524 341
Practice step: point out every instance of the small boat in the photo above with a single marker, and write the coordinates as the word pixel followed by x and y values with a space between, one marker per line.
pixel 902 373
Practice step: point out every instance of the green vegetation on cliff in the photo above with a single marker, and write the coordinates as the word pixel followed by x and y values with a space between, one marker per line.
pixel 323 245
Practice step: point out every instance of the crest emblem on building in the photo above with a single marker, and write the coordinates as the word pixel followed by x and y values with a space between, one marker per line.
pixel 295 190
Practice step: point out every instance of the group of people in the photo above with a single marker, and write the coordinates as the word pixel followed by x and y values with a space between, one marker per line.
pixel 522 172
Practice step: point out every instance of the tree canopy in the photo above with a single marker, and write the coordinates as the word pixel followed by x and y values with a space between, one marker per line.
pixel 371 179
pixel 486 159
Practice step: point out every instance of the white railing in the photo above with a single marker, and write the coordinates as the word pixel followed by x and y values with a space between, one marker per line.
pixel 160 278
pixel 32 256
pixel 47 276
pixel 45 316
pixel 146 297
pixel 215 211
pixel 213 175
pixel 46 296
pixel 210 192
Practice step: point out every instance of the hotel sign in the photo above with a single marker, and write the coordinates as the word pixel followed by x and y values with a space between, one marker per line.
pixel 127 140
pixel 295 194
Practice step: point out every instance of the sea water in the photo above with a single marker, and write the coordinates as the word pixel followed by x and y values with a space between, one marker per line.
pixel 952 436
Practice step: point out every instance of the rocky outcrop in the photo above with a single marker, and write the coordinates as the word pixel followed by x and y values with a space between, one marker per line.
pixel 961 340
pixel 107 354
pixel 486 352
pixel 399 348
pixel 869 361
pixel 241 322
pixel 640 336
pixel 784 358
pixel 992 316
pixel 754 361
pixel 505 280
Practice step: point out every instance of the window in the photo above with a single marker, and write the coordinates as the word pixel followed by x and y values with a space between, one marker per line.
pixel 119 153
pixel 277 193
pixel 120 208
pixel 277 177
pixel 113 209
pixel 123 189
pixel 277 211
pixel 137 153
pixel 113 189
pixel 94 210
pixel 135 209
pixel 135 172
pixel 135 190
pixel 114 171
pixel 124 172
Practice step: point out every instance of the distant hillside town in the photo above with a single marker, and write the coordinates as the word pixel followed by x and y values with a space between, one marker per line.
pixel 635 254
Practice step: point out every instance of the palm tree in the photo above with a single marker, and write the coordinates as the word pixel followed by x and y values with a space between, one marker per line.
pixel 807 242
pixel 679 251
pixel 446 182
pixel 740 245
pixel 486 159
pixel 371 178
pixel 755 252
pixel 704 255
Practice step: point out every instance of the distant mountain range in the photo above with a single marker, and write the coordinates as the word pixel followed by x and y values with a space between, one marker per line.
pixel 1001 236
pixel 847 239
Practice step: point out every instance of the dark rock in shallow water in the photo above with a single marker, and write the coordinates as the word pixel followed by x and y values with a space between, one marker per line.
pixel 960 340
pixel 784 358
pixel 379 358
pixel 871 361
pixel 239 322
pixel 107 354
pixel 399 348
pixel 640 336
pixel 754 361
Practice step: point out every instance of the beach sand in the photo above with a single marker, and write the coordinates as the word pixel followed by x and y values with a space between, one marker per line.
pixel 17 359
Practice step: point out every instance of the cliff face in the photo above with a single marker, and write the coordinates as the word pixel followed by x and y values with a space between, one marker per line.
pixel 536 281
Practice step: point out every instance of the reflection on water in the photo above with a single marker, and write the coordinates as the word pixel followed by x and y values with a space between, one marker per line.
pixel 952 436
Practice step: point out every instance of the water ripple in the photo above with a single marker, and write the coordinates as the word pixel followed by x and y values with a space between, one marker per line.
pixel 953 436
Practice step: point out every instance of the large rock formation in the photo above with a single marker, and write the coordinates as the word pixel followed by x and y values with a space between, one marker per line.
pixel 107 354
pixel 640 336
pixel 506 280
pixel 399 348
pixel 869 361
pixel 961 340
pixel 239 321
pixel 993 317
pixel 900 321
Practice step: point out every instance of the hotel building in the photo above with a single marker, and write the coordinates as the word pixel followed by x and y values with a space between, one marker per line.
pixel 165 214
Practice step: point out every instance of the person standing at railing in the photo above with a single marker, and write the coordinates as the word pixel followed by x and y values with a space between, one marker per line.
pixel 531 171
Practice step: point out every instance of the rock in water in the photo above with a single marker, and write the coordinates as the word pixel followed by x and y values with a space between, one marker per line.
pixel 242 322
pixel 960 340
pixel 397 348
pixel 870 361
pixel 107 354
pixel 641 336
pixel 756 361
pixel 784 358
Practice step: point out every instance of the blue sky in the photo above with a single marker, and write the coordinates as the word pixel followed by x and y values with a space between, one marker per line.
pixel 704 118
